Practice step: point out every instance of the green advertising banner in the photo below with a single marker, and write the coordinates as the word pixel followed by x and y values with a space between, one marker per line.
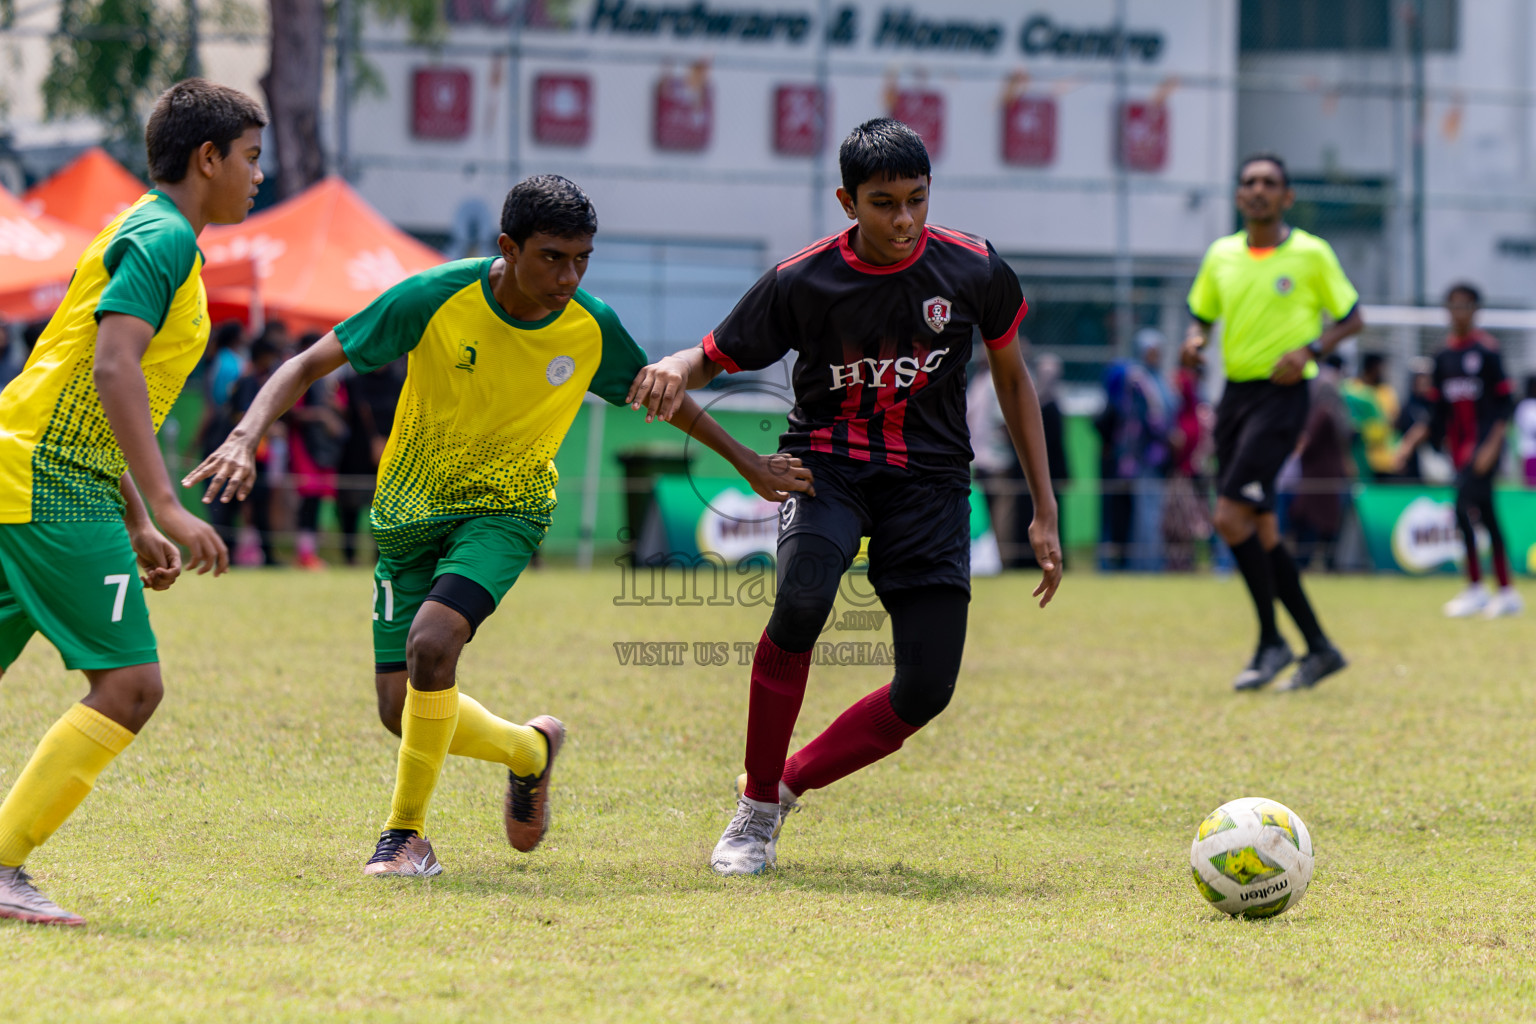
pixel 692 515
pixel 1413 529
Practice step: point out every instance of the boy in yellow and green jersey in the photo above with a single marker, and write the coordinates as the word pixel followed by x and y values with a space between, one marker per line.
pixel 1269 285
pixel 77 431
pixel 501 353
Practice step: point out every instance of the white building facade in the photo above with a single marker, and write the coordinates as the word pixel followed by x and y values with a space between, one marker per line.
pixel 1069 132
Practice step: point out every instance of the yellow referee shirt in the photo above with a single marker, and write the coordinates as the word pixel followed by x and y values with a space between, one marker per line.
pixel 1269 301
pixel 59 461
pixel 487 399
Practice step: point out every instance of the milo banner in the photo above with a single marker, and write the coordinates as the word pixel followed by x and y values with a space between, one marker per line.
pixel 1413 529
pixel 694 516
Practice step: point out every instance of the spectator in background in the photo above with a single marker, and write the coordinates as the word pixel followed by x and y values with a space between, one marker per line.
pixel 258 504
pixel 1373 407
pixel 369 400
pixel 997 463
pixel 1525 431
pixel 995 460
pixel 1316 513
pixel 1133 429
pixel 10 364
pixel 1413 422
pixel 1048 370
pixel 317 435
pixel 225 363
pixel 1152 471
pixel 1186 507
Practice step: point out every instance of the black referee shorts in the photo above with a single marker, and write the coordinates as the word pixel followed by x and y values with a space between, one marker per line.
pixel 918 523
pixel 1258 423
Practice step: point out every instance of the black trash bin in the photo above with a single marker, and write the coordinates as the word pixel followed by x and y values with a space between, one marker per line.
pixel 642 465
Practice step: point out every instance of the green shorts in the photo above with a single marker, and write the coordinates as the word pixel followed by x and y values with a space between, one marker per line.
pixel 78 585
pixel 492 551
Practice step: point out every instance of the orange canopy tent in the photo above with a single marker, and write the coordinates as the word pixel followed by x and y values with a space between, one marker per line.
pixel 37 257
pixel 88 192
pixel 319 257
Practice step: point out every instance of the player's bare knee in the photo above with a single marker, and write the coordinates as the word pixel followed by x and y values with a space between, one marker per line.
pixel 391 703
pixel 431 655
pixel 1233 522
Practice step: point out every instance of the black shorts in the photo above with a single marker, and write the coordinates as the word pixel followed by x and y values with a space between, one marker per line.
pixel 1258 423
pixel 1474 489
pixel 918 523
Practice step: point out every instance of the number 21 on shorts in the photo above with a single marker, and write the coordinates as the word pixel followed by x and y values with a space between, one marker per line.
pixel 389 600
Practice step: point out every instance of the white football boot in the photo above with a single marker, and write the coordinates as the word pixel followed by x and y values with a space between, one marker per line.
pixel 1467 603
pixel 747 846
pixel 1506 602
pixel 20 900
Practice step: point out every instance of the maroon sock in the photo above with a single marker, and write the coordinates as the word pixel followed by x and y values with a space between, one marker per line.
pixel 861 736
pixel 1500 559
pixel 778 687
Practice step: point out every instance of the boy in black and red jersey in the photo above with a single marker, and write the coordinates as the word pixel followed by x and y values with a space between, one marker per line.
pixel 882 318
pixel 1472 408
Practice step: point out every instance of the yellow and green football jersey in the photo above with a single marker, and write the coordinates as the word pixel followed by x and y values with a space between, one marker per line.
pixel 487 399
pixel 1269 301
pixel 58 459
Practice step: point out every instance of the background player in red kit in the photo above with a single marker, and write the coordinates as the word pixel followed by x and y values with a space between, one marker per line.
pixel 1472 407
pixel 882 317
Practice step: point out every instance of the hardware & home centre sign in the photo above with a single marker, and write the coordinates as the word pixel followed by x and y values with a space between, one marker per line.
pixel 972 29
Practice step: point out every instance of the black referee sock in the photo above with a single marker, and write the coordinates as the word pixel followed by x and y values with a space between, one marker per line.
pixel 1254 563
pixel 1287 582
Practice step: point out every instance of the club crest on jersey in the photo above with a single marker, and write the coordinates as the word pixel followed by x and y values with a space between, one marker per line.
pixel 559 370
pixel 466 358
pixel 1283 285
pixel 1471 363
pixel 936 313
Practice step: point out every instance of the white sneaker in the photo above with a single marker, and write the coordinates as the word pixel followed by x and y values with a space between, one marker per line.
pixel 788 802
pixel 19 899
pixel 747 846
pixel 1467 603
pixel 1506 602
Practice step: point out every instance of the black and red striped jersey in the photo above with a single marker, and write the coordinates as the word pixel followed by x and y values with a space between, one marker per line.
pixel 881 350
pixel 1471 394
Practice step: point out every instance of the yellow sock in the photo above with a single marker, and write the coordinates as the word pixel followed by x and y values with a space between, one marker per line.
pixel 483 736
pixel 426 729
pixel 62 771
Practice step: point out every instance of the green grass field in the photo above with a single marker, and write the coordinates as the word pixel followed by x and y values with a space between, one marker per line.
pixel 1025 858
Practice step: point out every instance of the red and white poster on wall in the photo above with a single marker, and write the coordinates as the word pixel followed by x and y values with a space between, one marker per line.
pixel 685 110
pixel 1143 136
pixel 440 108
pixel 1029 131
pixel 922 110
pixel 562 110
pixel 799 120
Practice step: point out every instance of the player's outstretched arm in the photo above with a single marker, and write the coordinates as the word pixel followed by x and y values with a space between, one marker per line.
pixel 1021 411
pixel 118 371
pixel 661 386
pixel 774 476
pixel 231 469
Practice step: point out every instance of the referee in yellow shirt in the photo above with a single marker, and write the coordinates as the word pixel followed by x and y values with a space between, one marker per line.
pixel 1268 284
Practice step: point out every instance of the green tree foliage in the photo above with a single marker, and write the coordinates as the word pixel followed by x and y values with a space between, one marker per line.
pixel 109 56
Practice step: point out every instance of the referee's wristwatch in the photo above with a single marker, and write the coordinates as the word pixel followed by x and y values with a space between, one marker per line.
pixel 1316 349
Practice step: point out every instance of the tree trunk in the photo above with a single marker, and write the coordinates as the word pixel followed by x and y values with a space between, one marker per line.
pixel 292 84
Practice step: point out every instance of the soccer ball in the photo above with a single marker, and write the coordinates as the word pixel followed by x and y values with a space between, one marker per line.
pixel 1252 857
